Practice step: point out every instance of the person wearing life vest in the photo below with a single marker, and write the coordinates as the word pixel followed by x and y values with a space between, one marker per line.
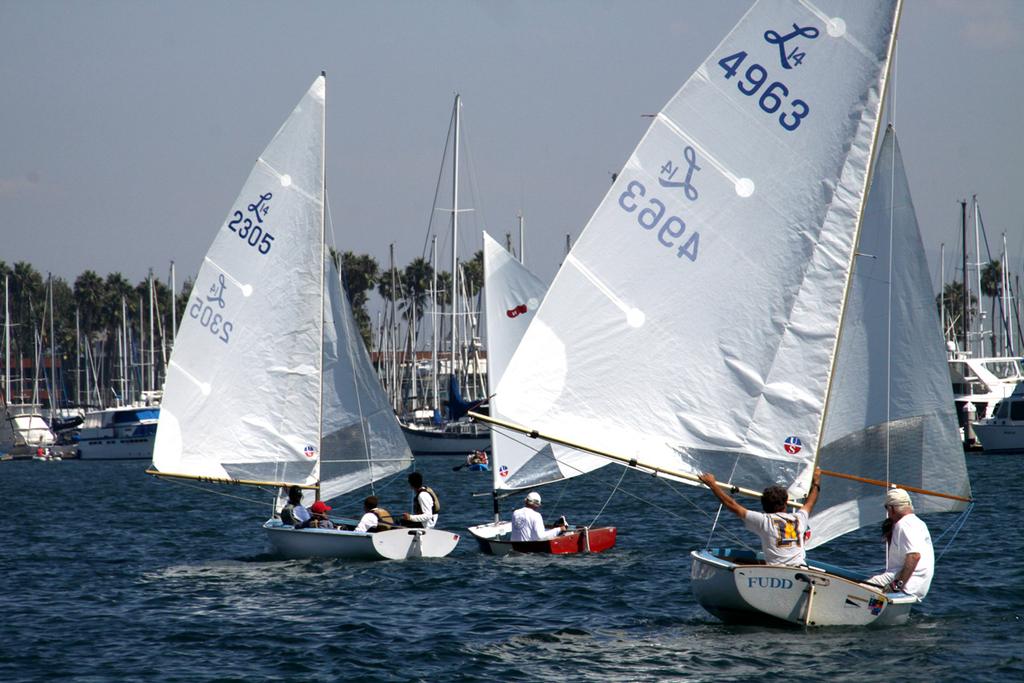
pixel 425 505
pixel 374 518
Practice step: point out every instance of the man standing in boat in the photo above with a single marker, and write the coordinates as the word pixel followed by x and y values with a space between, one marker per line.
pixel 782 533
pixel 910 558
pixel 528 525
pixel 425 505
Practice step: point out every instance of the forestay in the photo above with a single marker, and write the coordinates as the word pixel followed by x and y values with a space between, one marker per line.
pixel 512 295
pixel 891 414
pixel 693 325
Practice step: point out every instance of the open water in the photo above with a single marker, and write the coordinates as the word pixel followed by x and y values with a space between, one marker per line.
pixel 109 574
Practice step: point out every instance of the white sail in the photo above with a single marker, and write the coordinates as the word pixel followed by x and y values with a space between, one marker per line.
pixel 242 395
pixel 891 415
pixel 362 441
pixel 512 295
pixel 694 322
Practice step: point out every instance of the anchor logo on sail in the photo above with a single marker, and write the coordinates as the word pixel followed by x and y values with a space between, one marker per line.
pixel 669 170
pixel 503 471
pixel 795 56
pixel 309 451
pixel 793 445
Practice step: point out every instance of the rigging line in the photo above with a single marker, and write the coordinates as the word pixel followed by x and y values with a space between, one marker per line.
pixel 609 499
pixel 666 482
pixel 215 492
pixel 888 314
pixel 437 187
pixel 955 526
pixel 346 319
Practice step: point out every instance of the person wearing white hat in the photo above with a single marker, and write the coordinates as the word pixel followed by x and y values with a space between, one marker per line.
pixel 910 559
pixel 528 525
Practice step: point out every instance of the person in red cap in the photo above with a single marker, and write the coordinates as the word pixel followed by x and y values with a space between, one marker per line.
pixel 319 512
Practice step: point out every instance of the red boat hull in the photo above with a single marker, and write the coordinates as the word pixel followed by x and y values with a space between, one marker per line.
pixel 600 539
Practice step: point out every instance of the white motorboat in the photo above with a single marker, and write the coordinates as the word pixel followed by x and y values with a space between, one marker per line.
pixel 23 429
pixel 121 433
pixel 269 383
pixel 1003 432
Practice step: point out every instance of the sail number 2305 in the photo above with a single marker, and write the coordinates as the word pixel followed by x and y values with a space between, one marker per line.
pixel 669 231
pixel 211 320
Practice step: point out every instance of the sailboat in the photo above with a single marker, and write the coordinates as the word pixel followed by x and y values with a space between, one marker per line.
pixel 269 383
pixel 452 435
pixel 722 327
pixel 512 295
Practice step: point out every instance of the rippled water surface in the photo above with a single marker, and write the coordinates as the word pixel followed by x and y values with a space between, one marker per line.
pixel 109 574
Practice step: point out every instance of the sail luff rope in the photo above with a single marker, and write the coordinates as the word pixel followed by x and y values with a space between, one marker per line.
pixel 860 222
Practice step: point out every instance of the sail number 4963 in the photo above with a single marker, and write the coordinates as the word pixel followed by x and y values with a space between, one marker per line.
pixel 772 97
pixel 650 217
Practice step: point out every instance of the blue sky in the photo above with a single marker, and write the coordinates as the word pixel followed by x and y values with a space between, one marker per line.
pixel 128 127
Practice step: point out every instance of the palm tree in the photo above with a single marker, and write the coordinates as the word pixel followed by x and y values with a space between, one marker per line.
pixel 952 300
pixel 992 287
pixel 360 273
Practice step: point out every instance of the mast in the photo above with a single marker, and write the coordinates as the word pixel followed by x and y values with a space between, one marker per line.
pixel 860 223
pixel 7 341
pixel 522 240
pixel 78 359
pixel 977 271
pixel 942 289
pixel 434 324
pixel 965 295
pixel 54 390
pixel 152 336
pixel 174 307
pixel 323 267
pixel 455 240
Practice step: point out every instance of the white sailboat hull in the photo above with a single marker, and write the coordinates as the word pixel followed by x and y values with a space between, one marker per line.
pixel 397 544
pixel 738 592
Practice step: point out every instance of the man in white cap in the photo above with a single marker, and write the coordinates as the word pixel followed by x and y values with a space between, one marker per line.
pixel 910 560
pixel 528 525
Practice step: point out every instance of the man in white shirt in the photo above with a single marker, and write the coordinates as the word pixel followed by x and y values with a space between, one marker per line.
pixel 910 558
pixel 781 533
pixel 528 525
pixel 425 505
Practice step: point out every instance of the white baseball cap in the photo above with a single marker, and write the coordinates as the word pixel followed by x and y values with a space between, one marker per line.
pixel 533 497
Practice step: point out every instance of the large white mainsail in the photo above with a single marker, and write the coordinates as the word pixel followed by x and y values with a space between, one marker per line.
pixel 693 324
pixel 512 295
pixel 891 415
pixel 254 321
pixel 269 380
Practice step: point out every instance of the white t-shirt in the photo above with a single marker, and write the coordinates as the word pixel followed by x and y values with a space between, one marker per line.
pixel 911 535
pixel 300 515
pixel 427 518
pixel 367 522
pixel 781 535
pixel 528 525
